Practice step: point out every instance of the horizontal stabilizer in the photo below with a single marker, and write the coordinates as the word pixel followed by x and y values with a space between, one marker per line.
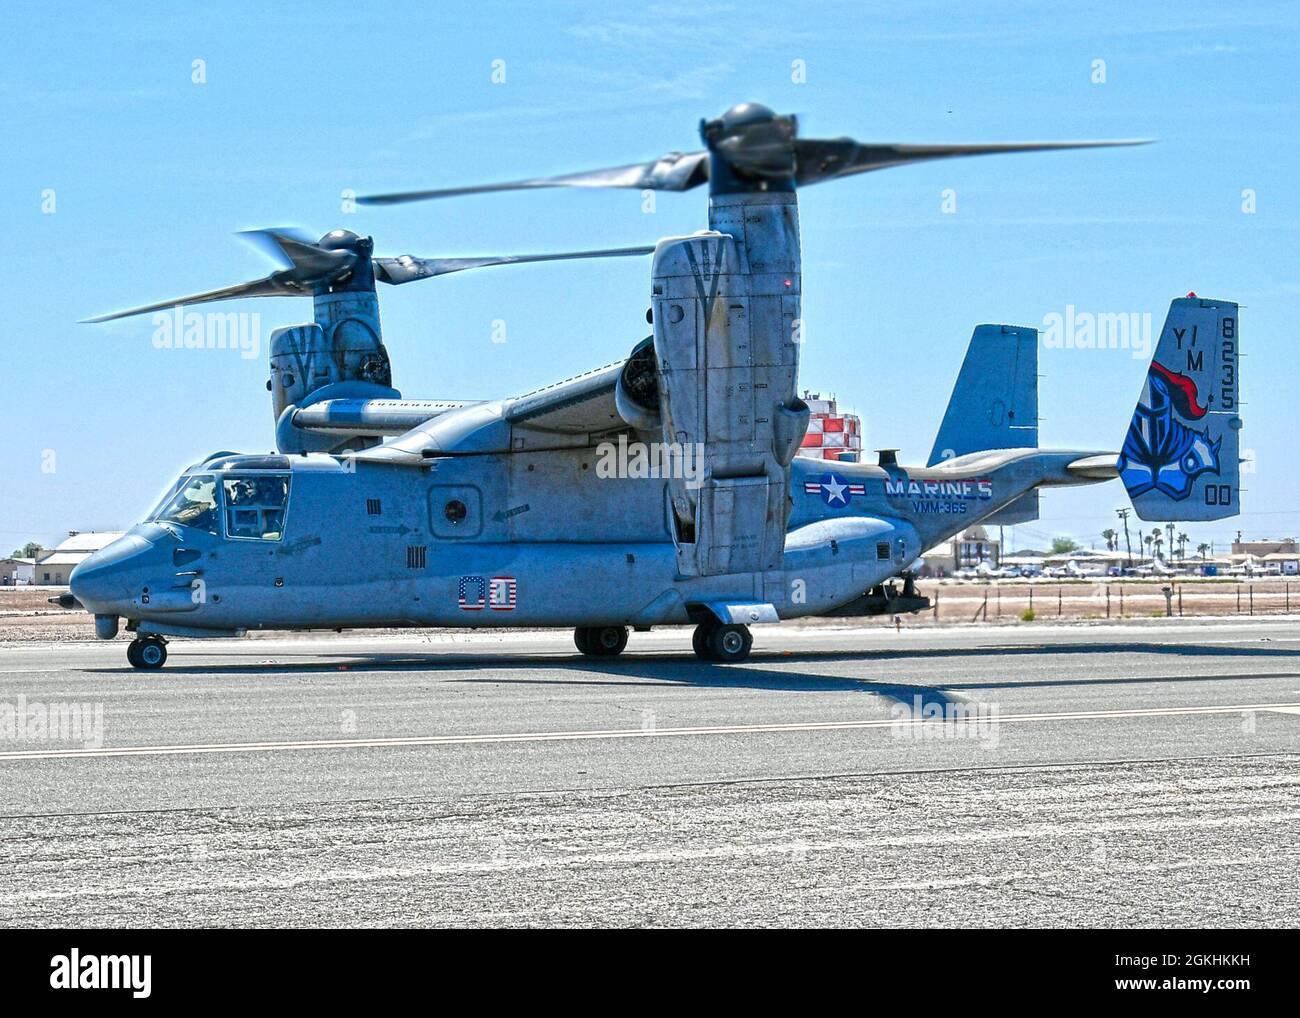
pixel 1022 510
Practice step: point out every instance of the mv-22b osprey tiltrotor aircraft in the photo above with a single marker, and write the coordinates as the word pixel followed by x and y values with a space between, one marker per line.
pixel 662 489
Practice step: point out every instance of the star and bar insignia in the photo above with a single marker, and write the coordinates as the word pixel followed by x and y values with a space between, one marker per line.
pixel 834 490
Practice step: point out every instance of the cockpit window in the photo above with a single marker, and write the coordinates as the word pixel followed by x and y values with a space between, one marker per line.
pixel 255 505
pixel 194 504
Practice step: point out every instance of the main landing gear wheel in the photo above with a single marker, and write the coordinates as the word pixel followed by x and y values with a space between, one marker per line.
pixel 148 652
pixel 600 641
pixel 724 644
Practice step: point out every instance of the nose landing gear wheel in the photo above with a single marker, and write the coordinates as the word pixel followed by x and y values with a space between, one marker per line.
pixel 723 644
pixel 600 641
pixel 147 652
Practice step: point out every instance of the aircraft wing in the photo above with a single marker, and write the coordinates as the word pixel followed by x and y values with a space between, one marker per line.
pixel 582 405
pixel 569 413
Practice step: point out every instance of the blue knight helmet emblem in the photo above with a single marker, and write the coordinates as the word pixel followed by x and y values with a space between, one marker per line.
pixel 1160 452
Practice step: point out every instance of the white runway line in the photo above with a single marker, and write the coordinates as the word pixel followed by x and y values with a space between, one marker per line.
pixel 634 733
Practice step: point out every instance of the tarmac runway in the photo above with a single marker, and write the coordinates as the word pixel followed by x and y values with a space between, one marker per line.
pixel 1141 774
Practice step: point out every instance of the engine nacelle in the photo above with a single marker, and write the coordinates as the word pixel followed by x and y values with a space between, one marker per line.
pixel 636 394
pixel 726 349
pixel 340 352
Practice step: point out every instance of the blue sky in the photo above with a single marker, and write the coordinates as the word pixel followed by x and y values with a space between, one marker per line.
pixel 152 175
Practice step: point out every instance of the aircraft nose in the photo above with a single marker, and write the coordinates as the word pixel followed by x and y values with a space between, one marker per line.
pixel 99 582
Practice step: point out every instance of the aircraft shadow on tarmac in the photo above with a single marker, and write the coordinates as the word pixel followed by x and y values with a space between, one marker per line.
pixel 740 677
pixel 655 669
pixel 704 676
pixel 624 673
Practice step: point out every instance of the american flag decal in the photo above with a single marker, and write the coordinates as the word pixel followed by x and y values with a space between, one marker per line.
pixel 503 593
pixel 499 593
pixel 472 594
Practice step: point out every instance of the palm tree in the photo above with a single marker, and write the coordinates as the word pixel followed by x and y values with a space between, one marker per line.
pixel 1147 541
pixel 1182 546
pixel 1202 548
pixel 1110 537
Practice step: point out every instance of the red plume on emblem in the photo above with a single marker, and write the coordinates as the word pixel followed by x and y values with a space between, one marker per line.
pixel 1182 392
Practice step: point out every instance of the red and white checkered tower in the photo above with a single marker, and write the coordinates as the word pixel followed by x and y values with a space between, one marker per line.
pixel 831 435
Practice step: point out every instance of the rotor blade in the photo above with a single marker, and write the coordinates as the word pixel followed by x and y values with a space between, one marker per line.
pixel 271 241
pixel 271 286
pixel 296 250
pixel 820 160
pixel 677 171
pixel 407 268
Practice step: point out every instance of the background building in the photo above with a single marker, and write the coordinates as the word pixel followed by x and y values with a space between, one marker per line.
pixel 17 572
pixel 975 547
pixel 1288 562
pixel 1265 547
pixel 53 568
pixel 831 435
pixel 966 551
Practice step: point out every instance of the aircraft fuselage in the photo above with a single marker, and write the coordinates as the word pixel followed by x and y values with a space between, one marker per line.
pixel 522 539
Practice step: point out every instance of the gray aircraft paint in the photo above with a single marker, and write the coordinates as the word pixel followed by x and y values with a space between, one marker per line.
pixel 492 513
pixel 564 546
pixel 337 566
